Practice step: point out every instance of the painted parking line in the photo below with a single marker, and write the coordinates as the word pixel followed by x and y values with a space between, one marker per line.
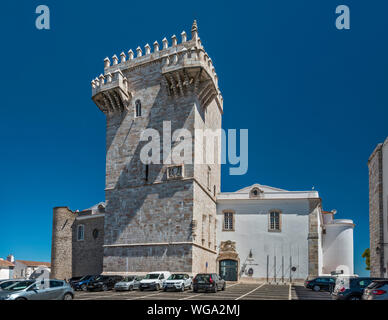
pixel 148 295
pixel 290 292
pixel 244 295
pixel 189 297
pixel 200 294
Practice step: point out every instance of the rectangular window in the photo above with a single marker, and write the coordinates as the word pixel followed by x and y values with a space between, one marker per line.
pixel 274 221
pixel 228 221
pixel 80 233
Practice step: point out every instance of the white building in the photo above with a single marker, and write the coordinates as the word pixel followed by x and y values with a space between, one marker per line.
pixel 6 269
pixel 272 234
pixel 25 268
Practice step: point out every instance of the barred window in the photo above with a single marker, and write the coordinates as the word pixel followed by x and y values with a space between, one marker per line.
pixel 228 221
pixel 274 221
pixel 80 232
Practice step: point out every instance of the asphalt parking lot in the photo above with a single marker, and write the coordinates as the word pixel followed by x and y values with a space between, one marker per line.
pixel 234 291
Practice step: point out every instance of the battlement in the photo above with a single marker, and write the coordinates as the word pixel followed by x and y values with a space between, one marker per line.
pixel 185 66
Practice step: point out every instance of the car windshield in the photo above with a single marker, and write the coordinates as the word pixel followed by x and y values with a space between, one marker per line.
pixel 20 285
pixel 128 279
pixel 152 276
pixel 6 284
pixel 100 278
pixel 176 277
pixel 86 278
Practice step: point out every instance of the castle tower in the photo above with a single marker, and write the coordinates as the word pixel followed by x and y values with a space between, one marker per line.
pixel 159 216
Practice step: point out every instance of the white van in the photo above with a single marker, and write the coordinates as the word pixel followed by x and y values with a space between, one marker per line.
pixel 154 280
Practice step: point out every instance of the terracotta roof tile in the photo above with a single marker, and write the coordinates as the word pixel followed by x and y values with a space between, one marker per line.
pixel 5 263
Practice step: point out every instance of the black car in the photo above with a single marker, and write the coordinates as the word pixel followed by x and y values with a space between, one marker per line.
pixel 208 282
pixel 104 283
pixel 321 284
pixel 351 288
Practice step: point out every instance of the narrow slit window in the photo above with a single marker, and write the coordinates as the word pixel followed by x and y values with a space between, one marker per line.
pixel 138 108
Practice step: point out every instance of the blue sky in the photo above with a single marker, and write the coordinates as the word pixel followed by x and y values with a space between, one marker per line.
pixel 313 98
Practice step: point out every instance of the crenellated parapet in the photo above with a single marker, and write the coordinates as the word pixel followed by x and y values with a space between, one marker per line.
pixel 185 66
pixel 110 92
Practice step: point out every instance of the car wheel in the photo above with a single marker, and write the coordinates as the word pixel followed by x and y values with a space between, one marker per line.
pixel 21 299
pixel 68 296
pixel 316 288
pixel 84 287
pixel 195 290
pixel 141 289
pixel 215 289
pixel 157 287
pixel 223 287
pixel 190 287
pixel 104 287
pixel 183 288
pixel 130 288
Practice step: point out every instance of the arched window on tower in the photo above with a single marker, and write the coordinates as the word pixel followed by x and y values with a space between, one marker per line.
pixel 138 108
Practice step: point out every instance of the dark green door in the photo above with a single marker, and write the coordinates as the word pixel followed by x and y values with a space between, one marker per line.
pixel 228 270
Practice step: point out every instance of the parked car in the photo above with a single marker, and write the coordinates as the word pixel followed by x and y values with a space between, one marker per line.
pixel 82 284
pixel 154 280
pixel 104 283
pixel 38 290
pixel 73 280
pixel 128 283
pixel 377 290
pixel 350 288
pixel 321 284
pixel 208 282
pixel 178 281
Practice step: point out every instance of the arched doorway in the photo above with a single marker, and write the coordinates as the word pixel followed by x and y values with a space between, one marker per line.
pixel 229 270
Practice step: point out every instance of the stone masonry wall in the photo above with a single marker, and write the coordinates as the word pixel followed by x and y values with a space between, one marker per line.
pixel 61 246
pixel 376 213
pixel 313 238
pixel 87 255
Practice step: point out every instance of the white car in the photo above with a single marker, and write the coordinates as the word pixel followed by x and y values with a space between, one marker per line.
pixel 178 282
pixel 154 280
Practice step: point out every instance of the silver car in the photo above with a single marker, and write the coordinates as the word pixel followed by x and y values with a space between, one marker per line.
pixel 377 290
pixel 128 283
pixel 38 290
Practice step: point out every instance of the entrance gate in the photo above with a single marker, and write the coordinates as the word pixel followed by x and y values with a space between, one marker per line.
pixel 228 270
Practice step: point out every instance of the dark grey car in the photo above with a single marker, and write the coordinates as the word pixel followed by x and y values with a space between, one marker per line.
pixel 38 290
pixel 208 282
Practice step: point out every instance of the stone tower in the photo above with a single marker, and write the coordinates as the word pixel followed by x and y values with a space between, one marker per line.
pixel 378 210
pixel 159 216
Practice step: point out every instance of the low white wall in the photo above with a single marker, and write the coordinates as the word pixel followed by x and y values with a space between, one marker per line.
pixel 338 247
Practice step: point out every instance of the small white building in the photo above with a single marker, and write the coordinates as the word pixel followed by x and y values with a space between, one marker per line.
pixel 25 268
pixel 6 269
pixel 270 234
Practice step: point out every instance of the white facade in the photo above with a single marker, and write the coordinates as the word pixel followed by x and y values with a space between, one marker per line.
pixel 6 269
pixel 24 268
pixel 6 273
pixel 278 255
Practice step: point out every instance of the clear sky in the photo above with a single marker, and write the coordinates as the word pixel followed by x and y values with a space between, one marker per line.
pixel 313 98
